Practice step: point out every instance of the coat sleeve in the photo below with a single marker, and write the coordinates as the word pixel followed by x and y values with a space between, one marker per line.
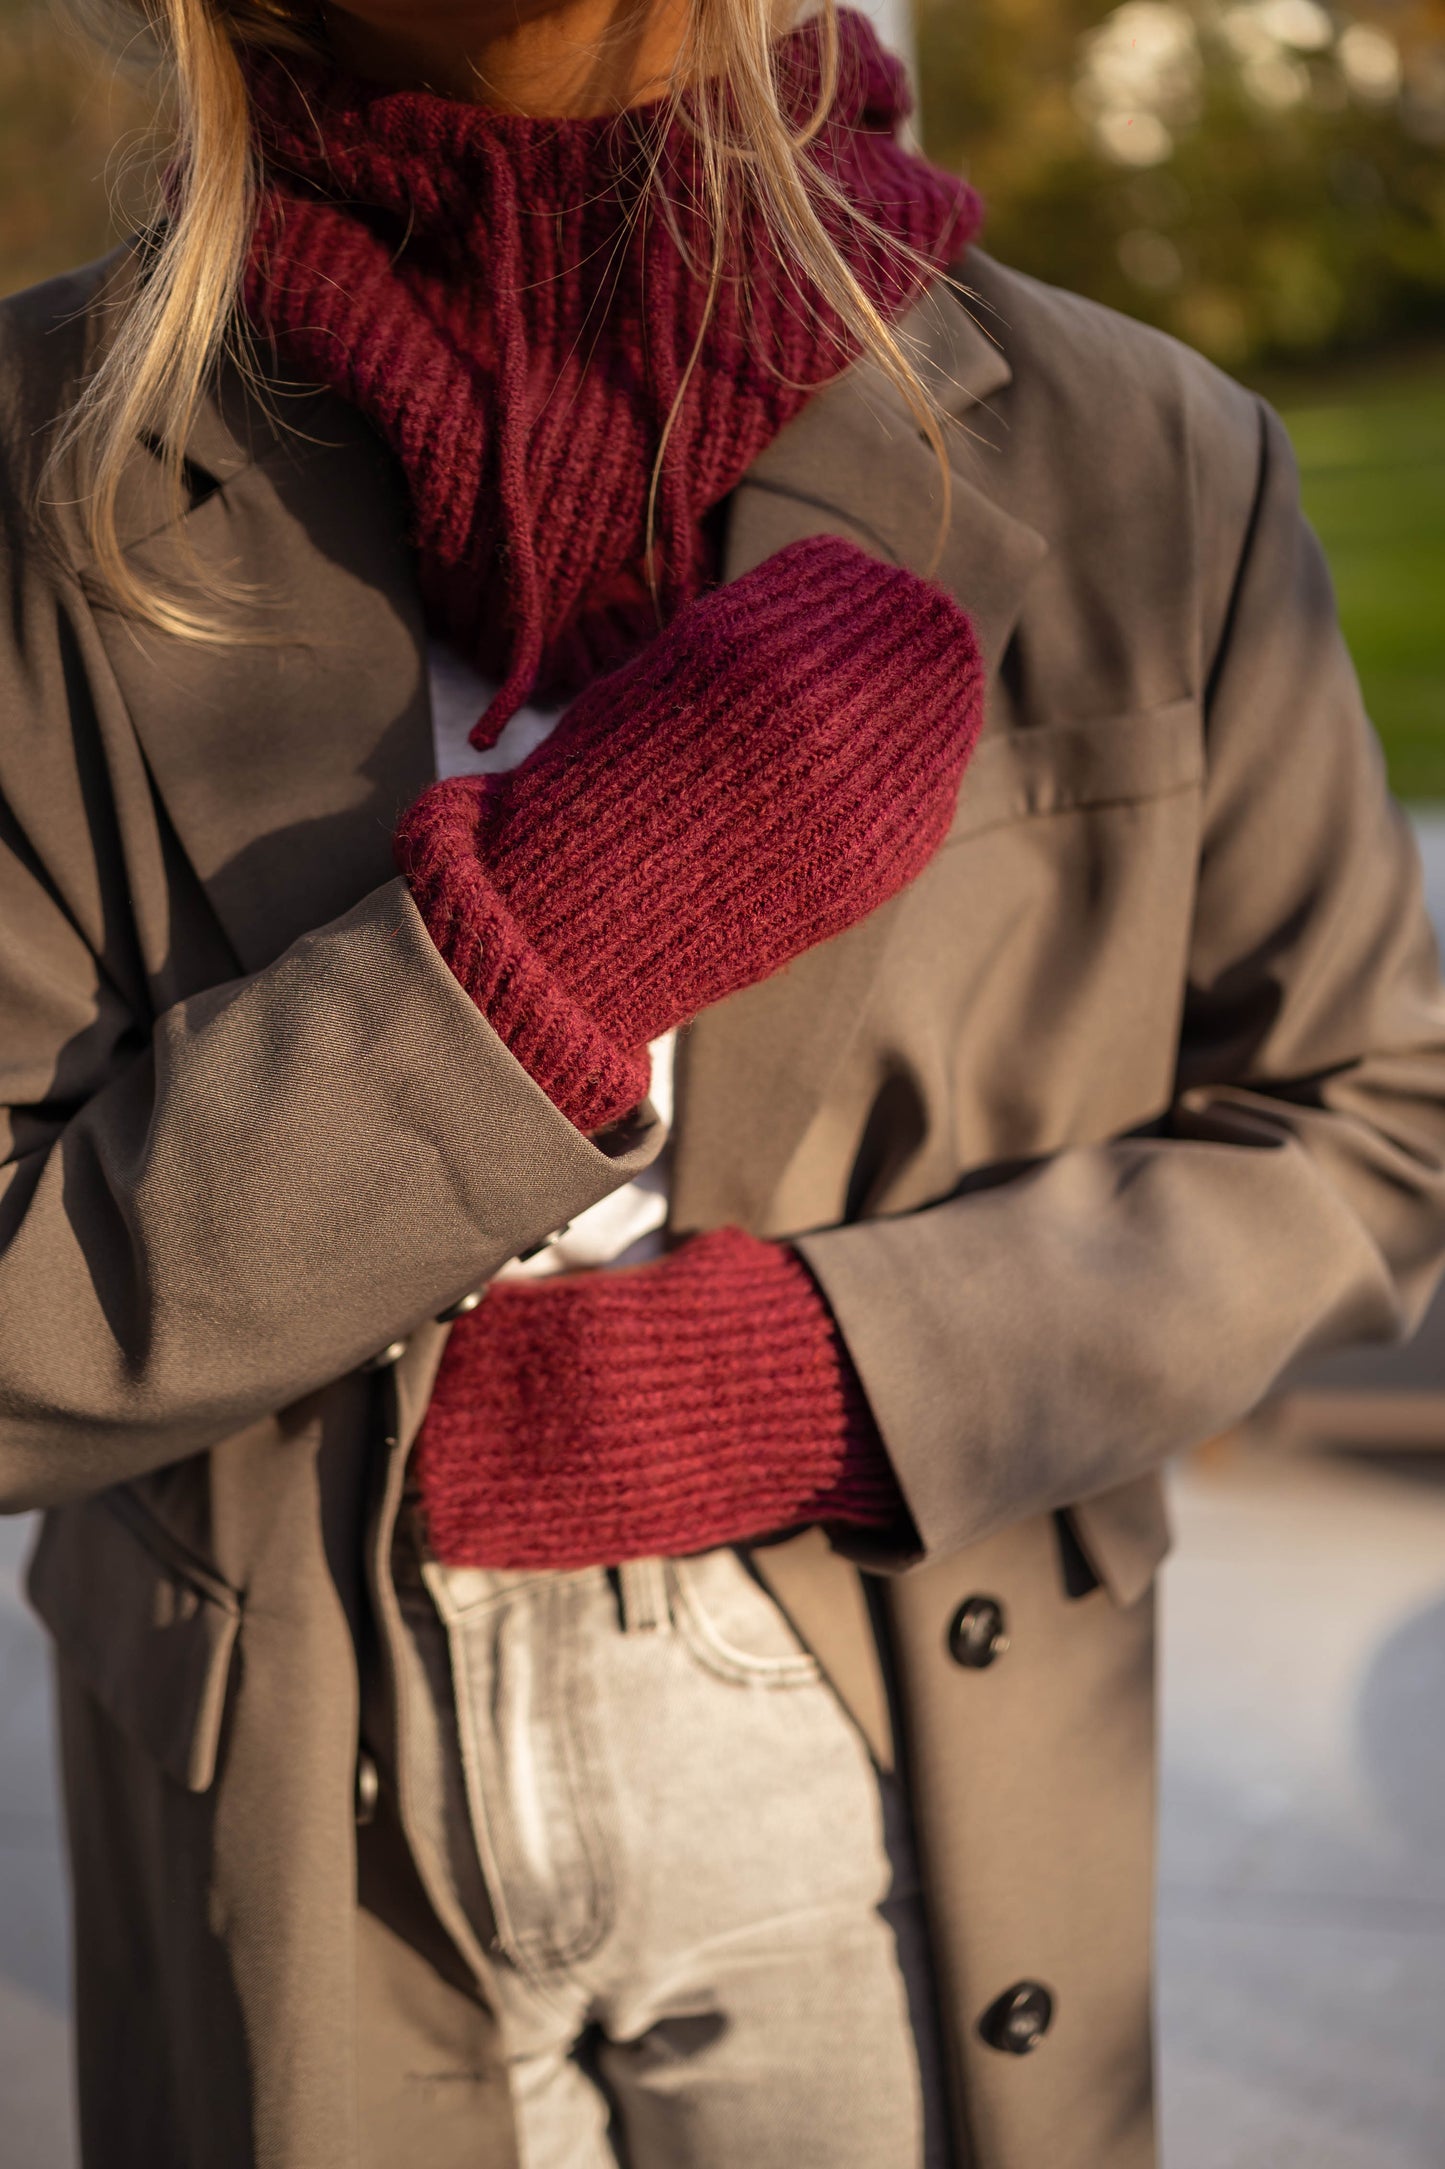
pixel 261 1190
pixel 1030 1344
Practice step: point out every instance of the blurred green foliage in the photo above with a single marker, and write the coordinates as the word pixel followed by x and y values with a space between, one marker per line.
pixel 67 124
pixel 1264 178
pixel 1372 464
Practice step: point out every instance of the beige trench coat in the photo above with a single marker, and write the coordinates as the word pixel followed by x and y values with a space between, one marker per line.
pixel 1134 1099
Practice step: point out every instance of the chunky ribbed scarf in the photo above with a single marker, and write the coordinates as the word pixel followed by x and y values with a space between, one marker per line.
pixel 514 307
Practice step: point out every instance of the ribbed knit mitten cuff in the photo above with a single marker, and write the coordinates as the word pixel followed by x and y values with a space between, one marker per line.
pixel 659 1410
pixel 586 1075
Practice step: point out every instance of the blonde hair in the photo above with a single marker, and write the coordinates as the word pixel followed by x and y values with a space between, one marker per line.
pixel 179 317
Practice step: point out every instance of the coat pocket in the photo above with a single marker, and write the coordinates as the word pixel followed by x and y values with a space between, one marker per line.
pixel 1125 1535
pixel 149 1630
pixel 1056 768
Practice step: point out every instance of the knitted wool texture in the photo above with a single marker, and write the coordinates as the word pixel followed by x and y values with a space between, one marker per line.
pixel 659 1410
pixel 783 759
pixel 514 313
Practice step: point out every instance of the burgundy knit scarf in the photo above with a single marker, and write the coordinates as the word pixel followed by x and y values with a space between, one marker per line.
pixel 502 298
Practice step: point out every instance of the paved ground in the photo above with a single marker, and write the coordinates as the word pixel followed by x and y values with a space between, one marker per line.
pixel 1303 1892
pixel 1302 1913
pixel 1302 1908
pixel 1429 824
pixel 35 2122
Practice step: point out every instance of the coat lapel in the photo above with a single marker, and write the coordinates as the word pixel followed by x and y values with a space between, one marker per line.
pixel 854 461
pixel 284 762
pixel 753 1071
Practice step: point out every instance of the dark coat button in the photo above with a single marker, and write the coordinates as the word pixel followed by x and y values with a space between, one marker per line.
pixel 977 1634
pixel 368 1788
pixel 462 1307
pixel 1020 2018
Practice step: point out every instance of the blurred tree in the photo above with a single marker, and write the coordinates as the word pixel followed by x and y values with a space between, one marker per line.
pixel 67 125
pixel 1263 177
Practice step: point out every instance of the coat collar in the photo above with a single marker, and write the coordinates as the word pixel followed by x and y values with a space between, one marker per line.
pixel 856 460
pixel 284 760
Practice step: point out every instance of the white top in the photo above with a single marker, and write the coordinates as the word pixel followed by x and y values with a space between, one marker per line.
pixel 626 1228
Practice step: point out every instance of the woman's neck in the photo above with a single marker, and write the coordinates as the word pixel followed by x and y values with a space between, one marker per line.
pixel 542 57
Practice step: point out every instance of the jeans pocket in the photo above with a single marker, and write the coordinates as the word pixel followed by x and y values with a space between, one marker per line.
pixel 535 1771
pixel 733 1627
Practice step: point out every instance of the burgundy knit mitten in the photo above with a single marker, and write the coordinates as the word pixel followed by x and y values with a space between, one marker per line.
pixel 657 1410
pixel 779 762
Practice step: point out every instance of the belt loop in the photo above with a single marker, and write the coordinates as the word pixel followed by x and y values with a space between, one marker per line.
pixel 643 1590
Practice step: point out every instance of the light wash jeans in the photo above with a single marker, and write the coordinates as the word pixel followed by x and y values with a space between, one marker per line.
pixel 698 1892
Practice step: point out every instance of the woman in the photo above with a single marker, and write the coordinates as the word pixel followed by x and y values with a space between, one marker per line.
pixel 515 1711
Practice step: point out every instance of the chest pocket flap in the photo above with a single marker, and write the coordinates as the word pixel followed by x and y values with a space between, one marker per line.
pixel 147 1629
pixel 1118 760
